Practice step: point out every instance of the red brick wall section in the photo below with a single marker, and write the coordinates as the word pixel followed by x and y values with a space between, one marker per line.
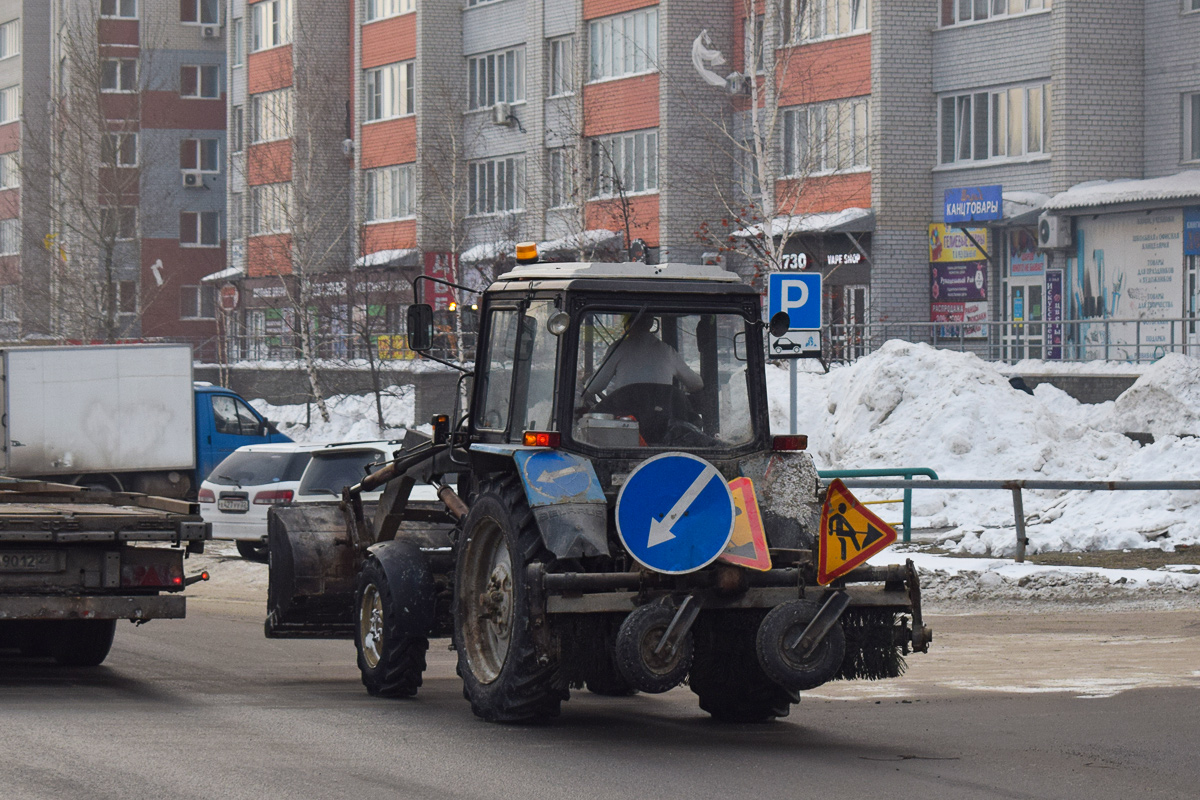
pixel 389 40
pixel 627 104
pixel 269 69
pixel 825 193
pixel 400 235
pixel 10 270
pixel 643 217
pixel 270 162
pixel 594 9
pixel 169 111
pixel 269 255
pixel 10 137
pixel 825 70
pixel 10 203
pixel 117 31
pixel 393 141
pixel 181 266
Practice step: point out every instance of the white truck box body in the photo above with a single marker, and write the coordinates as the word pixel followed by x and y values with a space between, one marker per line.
pixel 107 408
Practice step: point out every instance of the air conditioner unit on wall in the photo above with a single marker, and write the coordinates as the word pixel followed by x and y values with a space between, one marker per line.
pixel 502 114
pixel 211 32
pixel 1054 232
pixel 192 179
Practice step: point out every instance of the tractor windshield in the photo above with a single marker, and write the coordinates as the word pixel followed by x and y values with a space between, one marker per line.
pixel 648 378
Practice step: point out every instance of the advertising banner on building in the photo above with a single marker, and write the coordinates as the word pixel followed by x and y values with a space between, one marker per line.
pixel 1054 314
pixel 443 266
pixel 1191 231
pixel 1131 267
pixel 958 290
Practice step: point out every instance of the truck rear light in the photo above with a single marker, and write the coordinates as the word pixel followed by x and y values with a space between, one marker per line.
pixel 784 444
pixel 207 496
pixel 273 497
pixel 541 439
pixel 151 575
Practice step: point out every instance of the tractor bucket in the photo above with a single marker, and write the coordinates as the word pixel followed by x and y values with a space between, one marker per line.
pixel 310 592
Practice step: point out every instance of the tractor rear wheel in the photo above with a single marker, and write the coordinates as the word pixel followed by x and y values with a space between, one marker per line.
pixel 506 675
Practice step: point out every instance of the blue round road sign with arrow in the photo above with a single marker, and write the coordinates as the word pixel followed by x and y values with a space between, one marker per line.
pixel 675 513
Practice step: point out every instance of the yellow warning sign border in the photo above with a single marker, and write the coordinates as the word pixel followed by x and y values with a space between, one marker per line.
pixel 825 576
pixel 758 534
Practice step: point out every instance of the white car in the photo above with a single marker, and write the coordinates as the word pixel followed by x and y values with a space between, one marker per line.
pixel 335 467
pixel 236 495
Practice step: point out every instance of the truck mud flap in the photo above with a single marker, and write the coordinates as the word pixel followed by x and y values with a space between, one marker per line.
pixel 313 567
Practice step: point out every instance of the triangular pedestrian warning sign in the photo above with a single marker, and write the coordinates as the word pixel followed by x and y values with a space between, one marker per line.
pixel 850 534
pixel 748 545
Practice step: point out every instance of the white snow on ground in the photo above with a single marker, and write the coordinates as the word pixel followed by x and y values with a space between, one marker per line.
pixel 911 405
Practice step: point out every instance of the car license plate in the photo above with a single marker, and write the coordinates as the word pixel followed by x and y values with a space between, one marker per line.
pixel 236 505
pixel 30 561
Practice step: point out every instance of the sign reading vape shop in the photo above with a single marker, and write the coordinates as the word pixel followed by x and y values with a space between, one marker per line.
pixel 958 290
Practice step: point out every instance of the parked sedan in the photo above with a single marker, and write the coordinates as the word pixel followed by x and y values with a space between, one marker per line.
pixel 236 495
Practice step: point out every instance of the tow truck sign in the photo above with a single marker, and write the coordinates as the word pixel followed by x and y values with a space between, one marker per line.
pixel 799 294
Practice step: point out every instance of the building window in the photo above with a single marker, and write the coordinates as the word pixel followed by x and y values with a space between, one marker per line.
pixel 199 229
pixel 390 91
pixel 755 50
pixel 10 38
pixel 270 24
pixel 1191 125
pixel 826 137
pixel 958 11
pixel 10 103
pixel 197 302
pixel 564 187
pixel 562 66
pixel 10 237
pixel 1192 5
pixel 391 192
pixel 806 20
pixel 496 78
pixel 747 172
pixel 203 12
pixel 8 303
pixel 10 170
pixel 271 114
pixel 379 9
pixel 1001 123
pixel 270 207
pixel 478 2
pixel 118 75
pixel 237 41
pixel 127 297
pixel 233 220
pixel 624 45
pixel 118 223
pixel 199 154
pixel 237 129
pixel 200 81
pixel 122 9
pixel 625 163
pixel 119 150
pixel 495 185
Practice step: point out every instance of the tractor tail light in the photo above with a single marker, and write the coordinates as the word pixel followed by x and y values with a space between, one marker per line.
pixel 785 444
pixel 541 439
pixel 273 497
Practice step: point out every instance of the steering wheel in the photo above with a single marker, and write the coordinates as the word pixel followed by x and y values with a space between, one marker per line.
pixel 654 405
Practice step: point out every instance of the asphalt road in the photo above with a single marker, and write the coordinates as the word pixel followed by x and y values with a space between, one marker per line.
pixel 1008 705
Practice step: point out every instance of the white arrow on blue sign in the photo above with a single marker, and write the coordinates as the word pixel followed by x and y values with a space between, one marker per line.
pixel 675 513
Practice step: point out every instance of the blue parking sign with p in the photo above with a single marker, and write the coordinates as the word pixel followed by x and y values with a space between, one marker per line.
pixel 798 294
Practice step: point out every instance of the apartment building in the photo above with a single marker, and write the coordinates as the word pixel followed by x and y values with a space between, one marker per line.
pixel 602 126
pixel 116 120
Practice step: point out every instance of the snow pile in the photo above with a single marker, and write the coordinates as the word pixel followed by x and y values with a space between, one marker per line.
pixel 351 417
pixel 910 405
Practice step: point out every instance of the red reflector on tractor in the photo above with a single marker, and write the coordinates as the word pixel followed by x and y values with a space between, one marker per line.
pixel 273 497
pixel 207 496
pixel 784 444
pixel 541 439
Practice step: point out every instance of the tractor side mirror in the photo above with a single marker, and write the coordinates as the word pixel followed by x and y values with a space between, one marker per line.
pixel 779 324
pixel 420 326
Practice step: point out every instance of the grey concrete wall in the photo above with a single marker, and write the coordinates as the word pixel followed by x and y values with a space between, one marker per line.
pixel 1172 38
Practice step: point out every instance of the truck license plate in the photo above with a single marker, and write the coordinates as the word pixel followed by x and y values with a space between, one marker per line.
pixel 29 561
pixel 239 505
